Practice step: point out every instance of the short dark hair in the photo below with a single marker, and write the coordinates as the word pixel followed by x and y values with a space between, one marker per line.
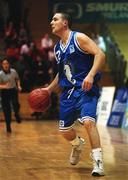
pixel 67 17
pixel 4 58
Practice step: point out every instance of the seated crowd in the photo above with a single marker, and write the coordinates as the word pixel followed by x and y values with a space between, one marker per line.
pixel 36 66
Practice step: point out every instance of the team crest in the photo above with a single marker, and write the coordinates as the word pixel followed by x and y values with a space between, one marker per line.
pixel 72 49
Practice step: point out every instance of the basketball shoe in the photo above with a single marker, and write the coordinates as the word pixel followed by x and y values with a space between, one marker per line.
pixel 98 169
pixel 76 151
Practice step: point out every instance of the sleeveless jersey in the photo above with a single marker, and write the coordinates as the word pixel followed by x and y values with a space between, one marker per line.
pixel 73 63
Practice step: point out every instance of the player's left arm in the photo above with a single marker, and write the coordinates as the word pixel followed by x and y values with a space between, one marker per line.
pixel 19 85
pixel 89 46
pixel 17 79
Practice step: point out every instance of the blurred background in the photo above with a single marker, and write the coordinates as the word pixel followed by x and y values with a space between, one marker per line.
pixel 26 39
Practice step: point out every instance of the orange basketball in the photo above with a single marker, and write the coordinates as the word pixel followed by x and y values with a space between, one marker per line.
pixel 39 100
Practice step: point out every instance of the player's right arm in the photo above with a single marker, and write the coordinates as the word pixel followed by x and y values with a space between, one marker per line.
pixel 53 85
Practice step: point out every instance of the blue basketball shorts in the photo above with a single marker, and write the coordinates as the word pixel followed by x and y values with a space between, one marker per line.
pixel 76 104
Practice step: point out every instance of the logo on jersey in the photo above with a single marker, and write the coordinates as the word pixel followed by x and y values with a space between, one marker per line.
pixel 68 73
pixel 71 49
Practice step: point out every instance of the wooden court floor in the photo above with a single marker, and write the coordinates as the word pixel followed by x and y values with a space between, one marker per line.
pixel 36 151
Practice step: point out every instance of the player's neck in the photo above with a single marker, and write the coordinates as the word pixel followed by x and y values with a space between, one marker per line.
pixel 65 36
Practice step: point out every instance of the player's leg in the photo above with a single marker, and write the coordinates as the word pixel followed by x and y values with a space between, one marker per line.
pixel 77 145
pixel 92 133
pixel 5 100
pixel 88 116
pixel 96 153
pixel 16 105
pixel 67 121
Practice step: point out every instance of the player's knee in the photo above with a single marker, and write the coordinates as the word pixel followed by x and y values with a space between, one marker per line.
pixel 64 133
pixel 88 124
pixel 68 134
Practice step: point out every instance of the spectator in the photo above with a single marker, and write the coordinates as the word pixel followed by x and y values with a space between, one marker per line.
pixel 10 34
pixel 100 42
pixel 23 37
pixel 24 49
pixel 46 45
pixel 13 53
pixel 46 42
pixel 42 71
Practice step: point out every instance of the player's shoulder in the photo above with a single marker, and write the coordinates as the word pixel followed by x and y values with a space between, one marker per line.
pixel 81 35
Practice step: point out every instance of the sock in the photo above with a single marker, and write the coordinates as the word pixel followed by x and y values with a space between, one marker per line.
pixel 75 141
pixel 97 153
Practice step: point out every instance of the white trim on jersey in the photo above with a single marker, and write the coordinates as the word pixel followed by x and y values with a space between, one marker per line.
pixel 63 48
pixel 55 52
pixel 78 46
pixel 67 128
pixel 81 120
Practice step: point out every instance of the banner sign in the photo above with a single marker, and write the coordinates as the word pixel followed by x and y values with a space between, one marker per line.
pixel 91 11
pixel 125 118
pixel 105 105
pixel 118 109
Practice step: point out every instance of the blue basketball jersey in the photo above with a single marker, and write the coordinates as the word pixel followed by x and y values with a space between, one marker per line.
pixel 73 63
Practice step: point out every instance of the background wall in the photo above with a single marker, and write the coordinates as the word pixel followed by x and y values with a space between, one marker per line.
pixel 37 17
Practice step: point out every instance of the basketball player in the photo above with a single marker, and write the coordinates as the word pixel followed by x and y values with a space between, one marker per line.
pixel 79 60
